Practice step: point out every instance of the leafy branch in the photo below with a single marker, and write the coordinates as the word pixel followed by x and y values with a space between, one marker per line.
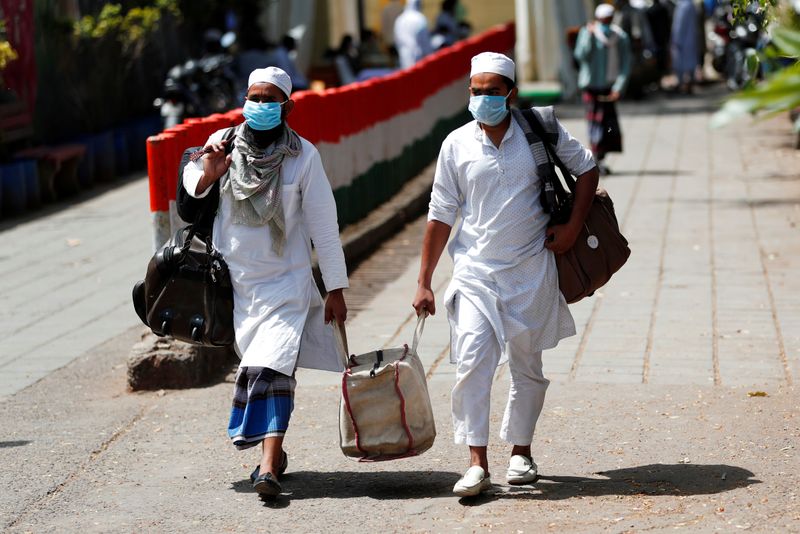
pixel 779 92
pixel 7 53
pixel 130 28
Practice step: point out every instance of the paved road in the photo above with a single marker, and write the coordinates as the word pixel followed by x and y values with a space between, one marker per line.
pixel 66 278
pixel 649 422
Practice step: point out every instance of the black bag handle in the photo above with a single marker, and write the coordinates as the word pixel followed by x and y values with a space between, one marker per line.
pixel 228 136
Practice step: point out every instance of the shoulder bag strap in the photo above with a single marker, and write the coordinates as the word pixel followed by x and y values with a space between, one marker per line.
pixel 541 157
pixel 228 136
pixel 539 131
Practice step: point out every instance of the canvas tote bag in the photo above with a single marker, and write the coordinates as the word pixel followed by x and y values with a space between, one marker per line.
pixel 385 410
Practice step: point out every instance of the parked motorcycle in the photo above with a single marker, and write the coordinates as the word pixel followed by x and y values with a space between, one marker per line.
pixel 720 35
pixel 735 46
pixel 746 40
pixel 199 87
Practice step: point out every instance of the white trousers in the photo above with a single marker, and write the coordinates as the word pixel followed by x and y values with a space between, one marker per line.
pixel 477 350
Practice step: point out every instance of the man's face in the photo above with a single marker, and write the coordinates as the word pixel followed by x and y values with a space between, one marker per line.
pixel 489 84
pixel 267 92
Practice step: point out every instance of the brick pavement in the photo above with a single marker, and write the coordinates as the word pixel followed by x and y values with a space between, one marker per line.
pixel 66 278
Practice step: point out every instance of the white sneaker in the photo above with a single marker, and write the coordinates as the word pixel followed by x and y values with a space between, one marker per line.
pixel 473 482
pixel 521 470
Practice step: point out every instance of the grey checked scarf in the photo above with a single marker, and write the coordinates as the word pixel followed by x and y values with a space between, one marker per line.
pixel 254 183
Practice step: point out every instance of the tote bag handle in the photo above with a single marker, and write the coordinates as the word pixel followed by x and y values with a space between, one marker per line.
pixel 418 330
pixel 341 341
pixel 340 333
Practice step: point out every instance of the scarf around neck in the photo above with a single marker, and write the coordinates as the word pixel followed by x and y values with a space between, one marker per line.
pixel 254 182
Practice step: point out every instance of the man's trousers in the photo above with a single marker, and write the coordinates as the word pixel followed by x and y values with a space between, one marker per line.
pixel 478 352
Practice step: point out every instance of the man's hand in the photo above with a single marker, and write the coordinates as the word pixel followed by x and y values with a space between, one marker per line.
pixel 424 300
pixel 436 234
pixel 335 308
pixel 560 238
pixel 613 96
pixel 215 164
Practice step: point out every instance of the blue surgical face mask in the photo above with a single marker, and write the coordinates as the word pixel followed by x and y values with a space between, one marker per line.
pixel 262 115
pixel 488 110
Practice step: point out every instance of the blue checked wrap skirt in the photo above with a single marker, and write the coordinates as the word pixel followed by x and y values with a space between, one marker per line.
pixel 263 400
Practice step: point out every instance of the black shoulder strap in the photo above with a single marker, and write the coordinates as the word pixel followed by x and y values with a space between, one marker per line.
pixel 208 205
pixel 228 136
pixel 541 135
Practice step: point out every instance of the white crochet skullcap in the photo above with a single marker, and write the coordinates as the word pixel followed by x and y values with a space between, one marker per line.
pixel 273 75
pixel 604 11
pixel 494 63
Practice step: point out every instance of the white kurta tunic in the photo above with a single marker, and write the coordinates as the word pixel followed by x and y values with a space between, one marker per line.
pixel 500 263
pixel 278 311
pixel 411 36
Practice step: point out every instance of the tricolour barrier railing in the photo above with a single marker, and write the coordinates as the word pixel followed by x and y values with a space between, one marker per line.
pixel 373 136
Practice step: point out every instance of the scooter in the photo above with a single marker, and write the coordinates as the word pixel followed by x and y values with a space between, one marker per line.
pixel 198 87
pixel 720 36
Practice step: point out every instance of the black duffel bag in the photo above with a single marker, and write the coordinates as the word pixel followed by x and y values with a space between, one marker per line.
pixel 187 292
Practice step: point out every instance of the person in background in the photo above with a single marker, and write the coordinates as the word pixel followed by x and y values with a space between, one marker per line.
pixel 684 45
pixel 603 53
pixel 447 24
pixel 282 58
pixel 658 16
pixel 389 15
pixel 253 54
pixel 702 50
pixel 274 201
pixel 411 35
pixel 503 302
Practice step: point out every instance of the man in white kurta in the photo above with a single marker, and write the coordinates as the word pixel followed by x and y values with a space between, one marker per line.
pixel 280 319
pixel 411 36
pixel 503 301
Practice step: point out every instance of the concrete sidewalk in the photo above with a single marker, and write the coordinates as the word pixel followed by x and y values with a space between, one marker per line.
pixel 654 419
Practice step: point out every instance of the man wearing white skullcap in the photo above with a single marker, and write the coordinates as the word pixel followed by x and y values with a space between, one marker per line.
pixel 273 75
pixel 603 52
pixel 273 200
pixel 503 302
pixel 604 11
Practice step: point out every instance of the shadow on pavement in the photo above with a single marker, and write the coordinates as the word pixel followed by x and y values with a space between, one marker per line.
pixel 384 485
pixel 653 479
pixel 9 444
pixel 70 201
pixel 649 173
pixel 741 202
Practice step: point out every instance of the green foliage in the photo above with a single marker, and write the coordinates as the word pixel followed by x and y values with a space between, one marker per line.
pixel 130 27
pixel 787 41
pixel 740 8
pixel 780 92
pixel 7 53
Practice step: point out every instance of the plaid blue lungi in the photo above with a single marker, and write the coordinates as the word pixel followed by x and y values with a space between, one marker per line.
pixel 263 400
